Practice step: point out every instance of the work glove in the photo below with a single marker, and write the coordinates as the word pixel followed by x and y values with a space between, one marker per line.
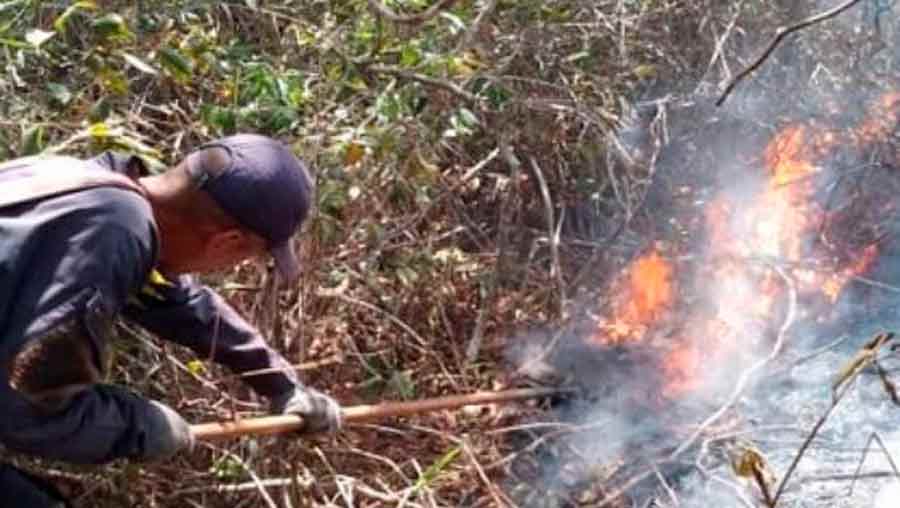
pixel 320 412
pixel 167 433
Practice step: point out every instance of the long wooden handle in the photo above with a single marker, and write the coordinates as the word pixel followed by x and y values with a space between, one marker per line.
pixel 356 414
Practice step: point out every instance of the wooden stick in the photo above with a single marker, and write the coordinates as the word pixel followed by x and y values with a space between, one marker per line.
pixel 279 424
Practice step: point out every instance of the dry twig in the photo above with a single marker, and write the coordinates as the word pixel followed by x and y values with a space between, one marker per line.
pixel 421 17
pixel 553 231
pixel 840 388
pixel 780 34
pixel 425 80
pixel 877 439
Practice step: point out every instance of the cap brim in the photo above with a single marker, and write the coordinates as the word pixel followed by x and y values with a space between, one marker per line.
pixel 286 261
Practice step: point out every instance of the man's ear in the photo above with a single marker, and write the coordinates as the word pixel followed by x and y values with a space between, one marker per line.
pixel 226 243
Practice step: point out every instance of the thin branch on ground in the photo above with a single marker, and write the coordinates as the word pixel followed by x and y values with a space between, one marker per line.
pixel 257 482
pixel 553 231
pixel 473 348
pixel 425 80
pixel 874 437
pixel 241 487
pixel 720 42
pixel 421 17
pixel 844 384
pixel 492 489
pixel 747 375
pixel 469 35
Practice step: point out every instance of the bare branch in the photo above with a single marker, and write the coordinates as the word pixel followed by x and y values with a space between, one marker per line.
pixel 780 34
pixel 839 391
pixel 417 18
pixel 552 233
pixel 427 80
pixel 467 38
pixel 873 438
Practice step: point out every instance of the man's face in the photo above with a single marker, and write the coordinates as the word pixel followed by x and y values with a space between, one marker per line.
pixel 199 252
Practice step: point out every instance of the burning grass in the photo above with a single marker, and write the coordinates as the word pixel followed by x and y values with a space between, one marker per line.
pixel 687 337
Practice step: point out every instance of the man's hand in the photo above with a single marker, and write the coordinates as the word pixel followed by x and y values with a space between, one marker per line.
pixel 167 433
pixel 320 412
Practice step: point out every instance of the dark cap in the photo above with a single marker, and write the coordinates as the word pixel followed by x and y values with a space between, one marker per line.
pixel 259 183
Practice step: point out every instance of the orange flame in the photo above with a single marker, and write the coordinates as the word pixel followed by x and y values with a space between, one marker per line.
pixel 648 292
pixel 778 224
pixel 836 282
pixel 680 368
pixel 881 120
pixel 787 156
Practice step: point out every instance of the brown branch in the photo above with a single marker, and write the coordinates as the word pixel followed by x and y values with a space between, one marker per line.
pixel 466 40
pixel 421 17
pixel 426 80
pixel 780 34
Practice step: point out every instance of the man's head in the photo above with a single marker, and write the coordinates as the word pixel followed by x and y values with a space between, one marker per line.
pixel 230 200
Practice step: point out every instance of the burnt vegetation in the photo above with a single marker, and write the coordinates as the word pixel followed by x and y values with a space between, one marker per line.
pixel 489 175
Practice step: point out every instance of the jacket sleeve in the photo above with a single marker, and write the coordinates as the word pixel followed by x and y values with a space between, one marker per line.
pixel 192 315
pixel 101 424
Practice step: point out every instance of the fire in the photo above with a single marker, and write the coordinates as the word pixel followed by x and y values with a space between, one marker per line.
pixel 836 282
pixel 747 236
pixel 881 120
pixel 680 367
pixel 788 157
pixel 647 293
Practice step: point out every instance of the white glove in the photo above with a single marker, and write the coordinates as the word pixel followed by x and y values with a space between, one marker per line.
pixel 320 412
pixel 167 433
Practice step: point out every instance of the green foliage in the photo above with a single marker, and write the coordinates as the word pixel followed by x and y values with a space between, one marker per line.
pixel 227 468
pixel 434 470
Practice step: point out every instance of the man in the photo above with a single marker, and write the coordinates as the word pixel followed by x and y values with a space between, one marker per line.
pixel 71 260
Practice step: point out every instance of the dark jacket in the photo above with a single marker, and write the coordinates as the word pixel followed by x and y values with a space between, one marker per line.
pixel 89 255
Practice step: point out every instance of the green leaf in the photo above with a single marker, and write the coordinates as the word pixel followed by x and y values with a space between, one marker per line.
pixel 469 119
pixel 456 24
pixel 224 120
pixel 62 20
pixel 33 141
pixel 133 144
pixel 195 367
pixel 100 131
pixel 581 55
pixel 111 26
pixel 59 93
pixel 410 55
pixel 37 37
pixel 12 43
pixel 227 468
pixel 100 110
pixel 403 384
pixel 139 64
pixel 429 475
pixel 113 80
pixel 178 65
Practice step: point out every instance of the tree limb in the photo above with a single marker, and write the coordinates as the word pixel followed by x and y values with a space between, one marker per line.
pixel 780 34
pixel 427 80
pixel 421 17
